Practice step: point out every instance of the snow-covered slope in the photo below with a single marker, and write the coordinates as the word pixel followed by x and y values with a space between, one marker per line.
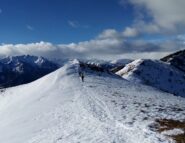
pixel 157 74
pixel 59 108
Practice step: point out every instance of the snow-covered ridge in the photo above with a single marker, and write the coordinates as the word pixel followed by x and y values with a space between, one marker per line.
pixel 102 109
pixel 157 74
pixel 176 59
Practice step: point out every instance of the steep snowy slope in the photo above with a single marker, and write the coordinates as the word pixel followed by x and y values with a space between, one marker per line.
pixel 157 74
pixel 59 108
pixel 176 59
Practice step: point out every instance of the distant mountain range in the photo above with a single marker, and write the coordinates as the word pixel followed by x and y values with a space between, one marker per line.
pixel 23 69
pixel 167 74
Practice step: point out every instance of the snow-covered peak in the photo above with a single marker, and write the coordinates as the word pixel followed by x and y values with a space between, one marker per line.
pixel 15 60
pixel 39 61
pixel 75 61
pixel 157 74
pixel 18 70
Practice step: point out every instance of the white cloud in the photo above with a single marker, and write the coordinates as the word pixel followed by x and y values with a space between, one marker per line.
pixel 29 27
pixel 73 24
pixel 130 32
pixel 166 15
pixel 181 37
pixel 145 55
pixel 112 33
pixel 109 33
pixel 76 24
pixel 22 49
pixel 108 45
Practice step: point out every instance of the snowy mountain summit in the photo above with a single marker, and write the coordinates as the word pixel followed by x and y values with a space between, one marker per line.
pixel 105 108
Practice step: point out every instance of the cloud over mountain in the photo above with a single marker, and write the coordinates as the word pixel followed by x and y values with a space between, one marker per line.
pixel 166 16
pixel 108 44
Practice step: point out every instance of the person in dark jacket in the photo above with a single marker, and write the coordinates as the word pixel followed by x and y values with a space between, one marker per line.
pixel 81 74
pixel 82 77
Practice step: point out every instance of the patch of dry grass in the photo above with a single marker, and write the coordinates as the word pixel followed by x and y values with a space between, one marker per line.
pixel 169 124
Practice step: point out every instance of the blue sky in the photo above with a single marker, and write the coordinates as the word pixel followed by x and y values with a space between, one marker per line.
pixel 109 29
pixel 60 21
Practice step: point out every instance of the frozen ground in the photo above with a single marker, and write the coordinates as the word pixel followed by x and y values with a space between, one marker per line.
pixel 59 108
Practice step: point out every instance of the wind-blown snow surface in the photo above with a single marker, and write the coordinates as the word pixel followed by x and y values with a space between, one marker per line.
pixel 59 108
